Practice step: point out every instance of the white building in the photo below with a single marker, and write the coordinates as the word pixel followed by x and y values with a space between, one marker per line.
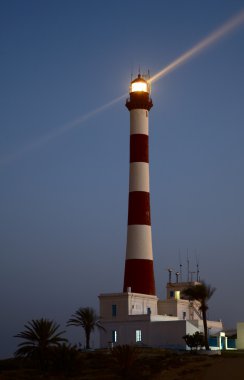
pixel 240 336
pixel 133 318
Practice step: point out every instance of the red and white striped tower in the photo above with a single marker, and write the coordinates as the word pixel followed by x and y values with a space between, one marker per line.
pixel 139 273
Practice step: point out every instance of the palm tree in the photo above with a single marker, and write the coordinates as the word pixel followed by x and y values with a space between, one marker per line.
pixel 39 337
pixel 201 293
pixel 87 318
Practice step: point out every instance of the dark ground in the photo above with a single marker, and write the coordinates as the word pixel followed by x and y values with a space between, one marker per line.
pixel 147 364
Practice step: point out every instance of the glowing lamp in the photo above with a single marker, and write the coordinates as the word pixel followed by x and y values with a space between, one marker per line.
pixel 139 85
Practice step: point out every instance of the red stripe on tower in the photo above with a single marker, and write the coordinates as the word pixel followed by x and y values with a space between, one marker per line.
pixel 139 273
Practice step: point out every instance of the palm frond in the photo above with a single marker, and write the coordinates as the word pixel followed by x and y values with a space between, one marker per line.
pixel 86 318
pixel 40 335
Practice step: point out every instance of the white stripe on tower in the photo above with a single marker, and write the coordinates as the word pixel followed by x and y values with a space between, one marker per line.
pixel 139 176
pixel 139 274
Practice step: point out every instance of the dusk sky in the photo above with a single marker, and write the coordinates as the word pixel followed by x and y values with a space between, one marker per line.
pixel 64 169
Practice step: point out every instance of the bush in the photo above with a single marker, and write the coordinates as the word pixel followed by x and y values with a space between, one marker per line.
pixel 194 341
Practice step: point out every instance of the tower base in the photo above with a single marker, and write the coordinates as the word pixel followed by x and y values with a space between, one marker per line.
pixel 139 276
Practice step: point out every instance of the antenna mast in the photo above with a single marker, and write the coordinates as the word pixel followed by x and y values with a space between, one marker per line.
pixel 180 267
pixel 192 273
pixel 170 274
pixel 188 268
pixel 177 277
pixel 198 271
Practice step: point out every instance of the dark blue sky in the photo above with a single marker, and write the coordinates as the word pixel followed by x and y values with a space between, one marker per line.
pixel 64 199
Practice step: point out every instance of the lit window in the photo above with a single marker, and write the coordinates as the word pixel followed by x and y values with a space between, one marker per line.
pixel 114 310
pixel 138 335
pixel 114 336
pixel 177 294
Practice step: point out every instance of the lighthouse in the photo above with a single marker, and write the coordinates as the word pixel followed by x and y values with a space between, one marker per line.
pixel 139 273
pixel 136 315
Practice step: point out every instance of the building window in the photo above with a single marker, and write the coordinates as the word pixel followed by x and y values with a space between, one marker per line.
pixel 114 336
pixel 177 294
pixel 114 310
pixel 171 294
pixel 138 336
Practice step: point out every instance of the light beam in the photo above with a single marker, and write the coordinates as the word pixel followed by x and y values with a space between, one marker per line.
pixel 211 39
pixel 57 132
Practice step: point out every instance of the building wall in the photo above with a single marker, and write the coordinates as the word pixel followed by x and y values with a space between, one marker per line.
pixel 121 305
pixel 169 334
pixel 142 304
pixel 179 308
pixel 106 306
pixel 240 336
pixel 214 327
pixel 167 307
pixel 166 334
pixel 174 289
pixel 125 332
